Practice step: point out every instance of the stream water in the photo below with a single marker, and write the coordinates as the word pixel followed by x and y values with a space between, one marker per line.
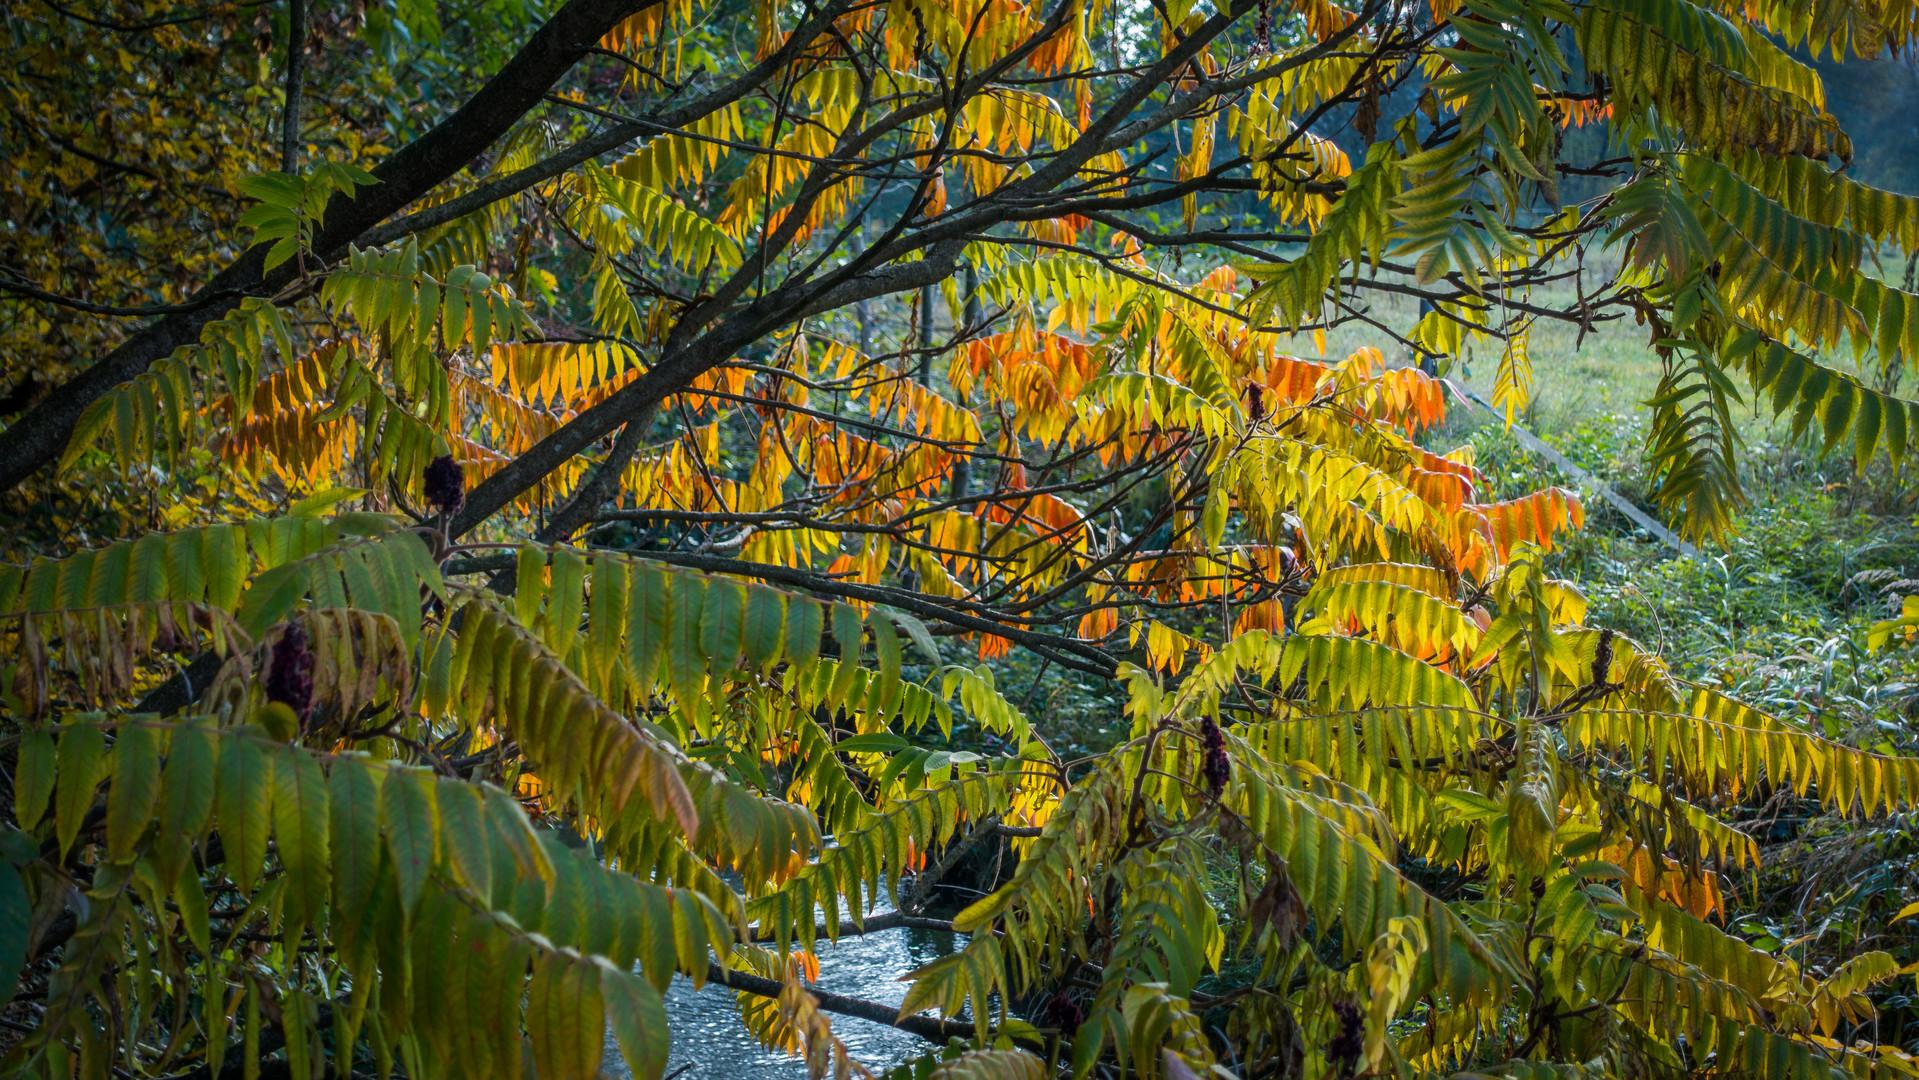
pixel 708 1036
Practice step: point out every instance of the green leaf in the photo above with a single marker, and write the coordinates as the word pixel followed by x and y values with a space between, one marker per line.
pixel 503 998
pixel 412 828
pixel 82 760
pixel 301 826
pixel 886 647
pixel 223 549
pixel 746 766
pixel 353 809
pixel 271 596
pixel 765 622
pixel 1468 805
pixel 923 638
pixel 511 827
pixel 805 620
pixel 648 616
pixel 848 630
pixel 16 916
pixel 279 721
pixel 684 663
pixel 273 188
pixel 472 973
pixel 17 847
pixel 192 900
pixel 720 626
pixel 269 223
pixel 214 1018
pixel 605 622
pixel 1213 517
pixel 360 522
pixel 321 501
pixel 244 807
pixel 531 584
pixel 463 826
pixel 565 601
pixel 297 1023
pixel 136 786
pixel 565 1019
pixel 186 798
pixel 346 175
pixel 148 576
pixel 884 742
pixel 433 938
pixel 636 1014
pixel 281 251
pixel 33 778
pixel 419 566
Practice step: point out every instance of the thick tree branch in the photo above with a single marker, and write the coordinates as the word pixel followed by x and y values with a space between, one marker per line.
pixel 665 122
pixel 669 376
pixel 941 244
pixel 925 1027
pixel 296 72
pixel 924 883
pixel 593 493
pixel 597 489
pixel 37 438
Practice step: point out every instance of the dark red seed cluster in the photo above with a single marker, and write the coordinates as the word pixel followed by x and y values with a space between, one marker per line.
pixel 445 484
pixel 1343 1050
pixel 1219 767
pixel 290 671
pixel 1064 1014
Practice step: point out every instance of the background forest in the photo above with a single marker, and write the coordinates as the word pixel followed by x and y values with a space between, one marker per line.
pixel 544 538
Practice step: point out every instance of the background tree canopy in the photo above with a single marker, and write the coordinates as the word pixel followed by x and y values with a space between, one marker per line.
pixel 511 504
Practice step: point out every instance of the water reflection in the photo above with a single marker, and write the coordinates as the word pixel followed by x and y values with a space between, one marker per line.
pixel 708 1036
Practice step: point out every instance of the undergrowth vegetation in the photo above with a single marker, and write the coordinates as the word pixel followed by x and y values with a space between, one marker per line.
pixel 1781 616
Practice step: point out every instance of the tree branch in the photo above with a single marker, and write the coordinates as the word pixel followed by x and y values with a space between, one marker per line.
pixel 664 123
pixel 926 1027
pixel 593 493
pixel 924 883
pixel 37 438
pixel 685 356
pixel 296 70
pixel 20 288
